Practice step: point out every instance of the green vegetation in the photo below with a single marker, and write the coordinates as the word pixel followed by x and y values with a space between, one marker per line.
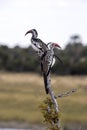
pixel 21 94
pixel 51 117
pixel 19 59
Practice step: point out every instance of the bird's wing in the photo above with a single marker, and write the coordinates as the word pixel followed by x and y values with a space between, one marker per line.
pixel 45 79
pixel 46 62
pixel 46 65
pixel 40 44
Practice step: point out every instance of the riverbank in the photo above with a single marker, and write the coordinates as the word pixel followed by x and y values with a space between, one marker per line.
pixel 21 126
pixel 13 125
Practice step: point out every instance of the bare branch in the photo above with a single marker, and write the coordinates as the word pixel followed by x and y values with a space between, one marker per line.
pixel 56 107
pixel 52 93
pixel 65 94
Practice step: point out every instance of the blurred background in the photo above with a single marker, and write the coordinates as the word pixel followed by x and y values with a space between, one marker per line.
pixel 60 21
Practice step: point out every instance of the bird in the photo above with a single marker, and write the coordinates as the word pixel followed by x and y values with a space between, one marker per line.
pixel 37 44
pixel 46 54
pixel 47 61
pixel 51 46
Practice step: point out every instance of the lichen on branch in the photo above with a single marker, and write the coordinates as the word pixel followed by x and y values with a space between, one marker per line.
pixel 51 117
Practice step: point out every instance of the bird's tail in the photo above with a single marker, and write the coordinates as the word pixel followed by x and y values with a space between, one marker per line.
pixel 45 83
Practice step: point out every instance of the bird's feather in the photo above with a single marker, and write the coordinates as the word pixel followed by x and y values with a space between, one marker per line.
pixel 58 58
pixel 46 66
pixel 45 83
pixel 45 79
pixel 40 44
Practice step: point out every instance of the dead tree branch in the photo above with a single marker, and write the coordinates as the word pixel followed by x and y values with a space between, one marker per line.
pixel 52 93
pixel 53 98
pixel 65 94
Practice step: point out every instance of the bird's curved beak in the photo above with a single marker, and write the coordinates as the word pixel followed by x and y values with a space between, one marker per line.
pixel 57 45
pixel 28 32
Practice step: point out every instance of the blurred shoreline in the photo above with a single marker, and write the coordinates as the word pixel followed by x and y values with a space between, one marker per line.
pixel 20 125
pixel 13 125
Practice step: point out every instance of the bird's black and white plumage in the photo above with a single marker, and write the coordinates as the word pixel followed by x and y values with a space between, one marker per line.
pixel 37 44
pixel 46 54
pixel 47 61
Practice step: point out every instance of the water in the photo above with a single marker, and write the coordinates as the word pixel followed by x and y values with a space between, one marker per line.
pixel 12 129
pixel 9 129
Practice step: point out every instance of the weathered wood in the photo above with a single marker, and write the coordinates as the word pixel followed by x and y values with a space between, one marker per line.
pixel 56 107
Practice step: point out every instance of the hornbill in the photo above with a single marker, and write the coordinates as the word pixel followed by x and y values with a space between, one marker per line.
pixel 46 53
pixel 37 43
pixel 47 61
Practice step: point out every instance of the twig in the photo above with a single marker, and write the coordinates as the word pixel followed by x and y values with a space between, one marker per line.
pixel 65 94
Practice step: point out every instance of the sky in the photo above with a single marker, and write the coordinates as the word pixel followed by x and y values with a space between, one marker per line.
pixel 54 20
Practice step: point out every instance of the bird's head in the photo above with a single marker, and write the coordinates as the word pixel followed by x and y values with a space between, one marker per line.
pixel 33 32
pixel 53 45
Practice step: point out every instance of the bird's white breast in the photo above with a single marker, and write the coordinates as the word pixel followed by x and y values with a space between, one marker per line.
pixel 53 61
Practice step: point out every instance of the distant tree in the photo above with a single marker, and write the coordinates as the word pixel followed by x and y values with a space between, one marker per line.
pixel 19 59
pixel 75 39
pixel 4 55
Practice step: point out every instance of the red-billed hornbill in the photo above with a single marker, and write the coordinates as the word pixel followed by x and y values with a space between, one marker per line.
pixel 46 53
pixel 47 61
pixel 37 43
